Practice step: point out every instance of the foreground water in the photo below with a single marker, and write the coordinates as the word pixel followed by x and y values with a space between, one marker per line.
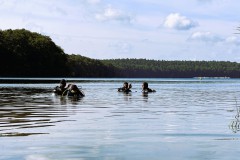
pixel 184 119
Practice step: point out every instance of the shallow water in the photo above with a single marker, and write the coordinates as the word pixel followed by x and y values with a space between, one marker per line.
pixel 184 119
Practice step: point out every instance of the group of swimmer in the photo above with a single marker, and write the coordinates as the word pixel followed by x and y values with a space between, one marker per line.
pixel 127 88
pixel 73 91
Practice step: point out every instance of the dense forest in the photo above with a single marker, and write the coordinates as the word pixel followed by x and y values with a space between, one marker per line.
pixel 24 53
pixel 81 66
pixel 174 69
pixel 29 54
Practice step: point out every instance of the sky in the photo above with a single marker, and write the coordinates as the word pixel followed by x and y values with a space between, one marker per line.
pixel 152 29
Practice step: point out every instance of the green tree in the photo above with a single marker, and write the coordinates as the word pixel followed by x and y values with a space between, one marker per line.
pixel 25 53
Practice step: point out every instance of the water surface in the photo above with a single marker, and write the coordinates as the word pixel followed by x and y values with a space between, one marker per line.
pixel 184 119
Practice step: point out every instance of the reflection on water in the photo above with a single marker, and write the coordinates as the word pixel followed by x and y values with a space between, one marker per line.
pixel 187 118
pixel 23 108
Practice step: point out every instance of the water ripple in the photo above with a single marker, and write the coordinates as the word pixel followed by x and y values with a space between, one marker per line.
pixel 23 108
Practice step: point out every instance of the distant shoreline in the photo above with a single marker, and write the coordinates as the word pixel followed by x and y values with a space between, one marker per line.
pixel 32 80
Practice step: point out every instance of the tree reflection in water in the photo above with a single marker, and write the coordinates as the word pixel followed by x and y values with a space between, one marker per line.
pixel 24 109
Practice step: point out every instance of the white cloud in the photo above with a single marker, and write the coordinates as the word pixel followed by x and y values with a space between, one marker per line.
pixel 205 37
pixel 111 13
pixel 178 22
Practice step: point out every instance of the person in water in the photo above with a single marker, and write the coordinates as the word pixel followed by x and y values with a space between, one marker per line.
pixel 145 88
pixel 61 88
pixel 74 91
pixel 126 87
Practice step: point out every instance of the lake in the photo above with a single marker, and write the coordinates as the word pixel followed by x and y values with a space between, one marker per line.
pixel 185 119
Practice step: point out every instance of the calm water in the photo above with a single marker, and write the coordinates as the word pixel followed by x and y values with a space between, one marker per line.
pixel 184 119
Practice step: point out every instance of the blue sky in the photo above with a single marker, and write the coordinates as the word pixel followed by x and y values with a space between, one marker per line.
pixel 151 29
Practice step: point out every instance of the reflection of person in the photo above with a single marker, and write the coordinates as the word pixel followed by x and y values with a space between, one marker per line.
pixel 74 91
pixel 126 87
pixel 145 88
pixel 61 88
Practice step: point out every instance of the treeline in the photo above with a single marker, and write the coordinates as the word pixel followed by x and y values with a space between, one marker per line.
pixel 174 69
pixel 28 54
pixel 24 53
pixel 81 66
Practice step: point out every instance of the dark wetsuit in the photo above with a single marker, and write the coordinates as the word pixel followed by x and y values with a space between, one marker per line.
pixel 146 90
pixel 58 90
pixel 123 89
pixel 75 93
